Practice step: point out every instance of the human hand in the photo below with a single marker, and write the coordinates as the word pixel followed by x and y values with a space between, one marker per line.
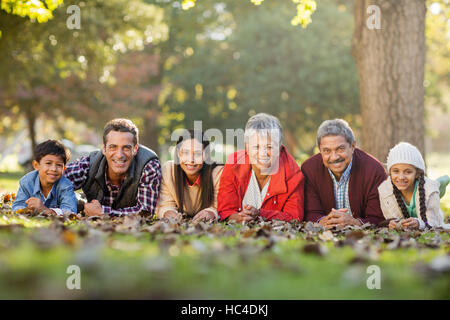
pixel 410 223
pixel 339 218
pixel 36 204
pixel 239 218
pixel 93 208
pixel 204 215
pixel 172 214
pixel 250 211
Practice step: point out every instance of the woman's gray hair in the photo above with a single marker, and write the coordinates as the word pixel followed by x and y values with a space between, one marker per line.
pixel 336 127
pixel 264 122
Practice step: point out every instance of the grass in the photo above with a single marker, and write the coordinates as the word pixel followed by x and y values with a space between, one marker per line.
pixel 9 181
pixel 439 165
pixel 227 265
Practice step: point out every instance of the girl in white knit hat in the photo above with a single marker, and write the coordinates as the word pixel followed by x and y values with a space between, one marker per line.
pixel 407 196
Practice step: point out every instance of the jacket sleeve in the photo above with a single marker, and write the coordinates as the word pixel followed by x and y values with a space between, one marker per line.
pixel 68 200
pixel 227 198
pixel 77 172
pixel 166 201
pixel 293 208
pixel 372 212
pixel 21 196
pixel 434 214
pixel 313 207
pixel 388 214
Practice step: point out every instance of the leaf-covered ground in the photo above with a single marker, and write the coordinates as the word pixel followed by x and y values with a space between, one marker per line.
pixel 138 257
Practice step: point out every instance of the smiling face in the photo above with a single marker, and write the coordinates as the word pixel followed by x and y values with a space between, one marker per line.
pixel 119 151
pixel 190 154
pixel 403 176
pixel 263 152
pixel 336 153
pixel 50 167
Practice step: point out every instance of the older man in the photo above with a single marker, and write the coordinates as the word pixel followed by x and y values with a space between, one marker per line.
pixel 122 178
pixel 342 180
pixel 262 180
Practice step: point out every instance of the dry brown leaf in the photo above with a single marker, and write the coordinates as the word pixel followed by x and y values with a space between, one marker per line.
pixel 69 237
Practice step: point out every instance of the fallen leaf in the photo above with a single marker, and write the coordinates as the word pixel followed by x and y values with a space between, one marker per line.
pixel 326 236
pixel 355 235
pixel 69 237
pixel 314 248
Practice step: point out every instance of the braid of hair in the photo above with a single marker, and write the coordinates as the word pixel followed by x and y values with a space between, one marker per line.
pixel 401 204
pixel 423 207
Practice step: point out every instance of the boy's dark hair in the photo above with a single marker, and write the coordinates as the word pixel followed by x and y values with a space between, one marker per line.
pixel 121 125
pixel 52 147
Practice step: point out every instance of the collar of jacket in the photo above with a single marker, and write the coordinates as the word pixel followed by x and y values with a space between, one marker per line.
pixel 327 183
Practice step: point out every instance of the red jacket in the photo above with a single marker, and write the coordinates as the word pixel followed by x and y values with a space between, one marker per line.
pixel 284 198
pixel 366 175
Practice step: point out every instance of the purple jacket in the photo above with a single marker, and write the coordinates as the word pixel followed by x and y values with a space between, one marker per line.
pixel 366 175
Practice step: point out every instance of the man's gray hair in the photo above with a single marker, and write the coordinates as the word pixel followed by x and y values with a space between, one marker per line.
pixel 265 123
pixel 336 127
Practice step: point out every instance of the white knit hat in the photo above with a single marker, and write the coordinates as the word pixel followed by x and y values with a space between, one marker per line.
pixel 405 152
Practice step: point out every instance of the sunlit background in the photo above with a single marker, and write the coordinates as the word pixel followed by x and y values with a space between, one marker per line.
pixel 165 64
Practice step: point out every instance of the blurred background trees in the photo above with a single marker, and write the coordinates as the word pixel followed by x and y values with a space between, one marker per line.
pixel 49 70
pixel 166 63
pixel 254 60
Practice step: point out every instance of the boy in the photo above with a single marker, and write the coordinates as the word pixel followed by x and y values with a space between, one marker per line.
pixel 45 189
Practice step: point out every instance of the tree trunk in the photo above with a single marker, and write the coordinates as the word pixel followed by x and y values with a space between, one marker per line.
pixel 391 67
pixel 291 142
pixel 149 137
pixel 31 122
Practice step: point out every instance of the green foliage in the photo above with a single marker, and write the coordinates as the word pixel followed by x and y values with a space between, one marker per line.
pixel 9 181
pixel 42 11
pixel 437 70
pixel 305 9
pixel 58 71
pixel 241 60
pixel 215 61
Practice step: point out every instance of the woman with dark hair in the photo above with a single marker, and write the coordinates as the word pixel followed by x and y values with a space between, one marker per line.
pixel 407 197
pixel 190 182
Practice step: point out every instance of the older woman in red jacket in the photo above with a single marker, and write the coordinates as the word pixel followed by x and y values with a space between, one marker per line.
pixel 262 180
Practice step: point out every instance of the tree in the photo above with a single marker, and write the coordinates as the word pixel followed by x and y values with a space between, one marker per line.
pixel 288 72
pixel 437 68
pixel 225 68
pixel 47 55
pixel 391 66
pixel 38 10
